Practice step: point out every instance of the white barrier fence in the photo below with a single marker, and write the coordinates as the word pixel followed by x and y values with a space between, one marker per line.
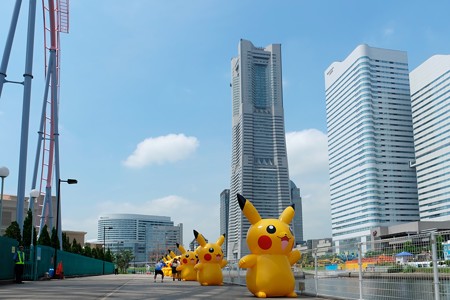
pixel 409 268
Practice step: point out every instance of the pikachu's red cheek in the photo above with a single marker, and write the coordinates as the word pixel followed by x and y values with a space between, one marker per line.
pixel 185 261
pixel 264 242
pixel 207 257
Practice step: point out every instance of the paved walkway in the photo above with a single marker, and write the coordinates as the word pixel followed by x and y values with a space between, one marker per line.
pixel 121 287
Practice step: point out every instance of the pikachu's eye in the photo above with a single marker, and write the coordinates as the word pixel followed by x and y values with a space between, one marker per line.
pixel 211 250
pixel 187 255
pixel 271 229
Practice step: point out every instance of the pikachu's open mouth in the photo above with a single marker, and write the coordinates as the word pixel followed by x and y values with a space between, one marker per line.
pixel 284 242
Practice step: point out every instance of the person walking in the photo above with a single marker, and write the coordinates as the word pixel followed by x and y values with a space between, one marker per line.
pixel 19 259
pixel 158 270
pixel 174 266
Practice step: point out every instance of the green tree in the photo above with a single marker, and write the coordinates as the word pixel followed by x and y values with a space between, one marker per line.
pixel 410 247
pixel 66 243
pixel 108 255
pixel 76 247
pixel 123 259
pixel 96 253
pixel 54 239
pixel 13 231
pixel 44 237
pixel 87 251
pixel 440 247
pixel 27 229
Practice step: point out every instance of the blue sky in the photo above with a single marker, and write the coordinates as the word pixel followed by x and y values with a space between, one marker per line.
pixel 145 101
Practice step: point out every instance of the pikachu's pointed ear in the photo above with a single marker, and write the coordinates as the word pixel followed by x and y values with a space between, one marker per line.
pixel 181 248
pixel 248 209
pixel 199 238
pixel 288 214
pixel 221 240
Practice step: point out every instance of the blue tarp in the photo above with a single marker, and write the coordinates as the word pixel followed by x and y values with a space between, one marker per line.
pixel 404 254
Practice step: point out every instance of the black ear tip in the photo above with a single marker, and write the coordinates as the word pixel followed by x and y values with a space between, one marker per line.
pixel 178 245
pixel 241 201
pixel 195 233
pixel 224 235
pixel 293 205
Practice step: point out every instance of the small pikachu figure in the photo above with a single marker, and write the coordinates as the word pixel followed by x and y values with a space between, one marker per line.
pixel 167 270
pixel 211 261
pixel 188 261
pixel 270 242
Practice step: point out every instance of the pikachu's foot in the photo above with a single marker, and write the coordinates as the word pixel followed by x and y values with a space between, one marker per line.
pixel 260 295
pixel 204 283
pixel 292 295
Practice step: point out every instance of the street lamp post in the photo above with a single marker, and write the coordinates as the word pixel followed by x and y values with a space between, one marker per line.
pixel 4 172
pixel 104 247
pixel 58 203
pixel 33 195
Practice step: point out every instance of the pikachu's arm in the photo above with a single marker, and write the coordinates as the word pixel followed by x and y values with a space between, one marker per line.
pixel 223 263
pixel 247 261
pixel 198 266
pixel 180 267
pixel 294 256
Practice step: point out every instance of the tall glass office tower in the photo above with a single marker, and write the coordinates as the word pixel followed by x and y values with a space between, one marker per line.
pixel 297 222
pixel 430 100
pixel 259 166
pixel 370 144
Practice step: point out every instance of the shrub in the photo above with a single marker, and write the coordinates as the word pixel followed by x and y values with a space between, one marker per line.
pixel 395 269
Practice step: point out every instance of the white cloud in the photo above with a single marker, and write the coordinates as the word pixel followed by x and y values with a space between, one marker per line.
pixel 163 149
pixel 307 152
pixel 308 168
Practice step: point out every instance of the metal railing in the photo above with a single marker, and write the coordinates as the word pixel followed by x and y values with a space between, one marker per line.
pixel 415 267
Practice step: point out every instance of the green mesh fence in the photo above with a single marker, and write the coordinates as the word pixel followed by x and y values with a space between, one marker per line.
pixel 39 262
pixel 72 264
pixel 7 248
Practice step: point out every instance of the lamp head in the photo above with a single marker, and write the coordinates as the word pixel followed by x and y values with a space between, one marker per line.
pixel 34 193
pixel 4 172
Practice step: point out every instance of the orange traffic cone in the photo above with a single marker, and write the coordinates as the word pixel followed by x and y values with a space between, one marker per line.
pixel 59 271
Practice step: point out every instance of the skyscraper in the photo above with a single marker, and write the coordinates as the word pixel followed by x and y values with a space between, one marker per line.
pixel 297 222
pixel 224 210
pixel 430 101
pixel 259 166
pixel 370 143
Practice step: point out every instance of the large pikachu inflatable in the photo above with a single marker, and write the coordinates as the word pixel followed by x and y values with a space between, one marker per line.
pixel 211 261
pixel 270 242
pixel 188 261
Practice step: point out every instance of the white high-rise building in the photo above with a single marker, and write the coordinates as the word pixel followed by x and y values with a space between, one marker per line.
pixel 370 144
pixel 430 98
pixel 259 166
pixel 148 237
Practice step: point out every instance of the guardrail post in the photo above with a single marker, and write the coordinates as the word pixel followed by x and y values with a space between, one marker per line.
pixel 360 271
pixel 435 266
pixel 316 278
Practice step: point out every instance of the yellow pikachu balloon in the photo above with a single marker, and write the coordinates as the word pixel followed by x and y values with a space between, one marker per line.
pixel 188 260
pixel 167 270
pixel 211 261
pixel 270 242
